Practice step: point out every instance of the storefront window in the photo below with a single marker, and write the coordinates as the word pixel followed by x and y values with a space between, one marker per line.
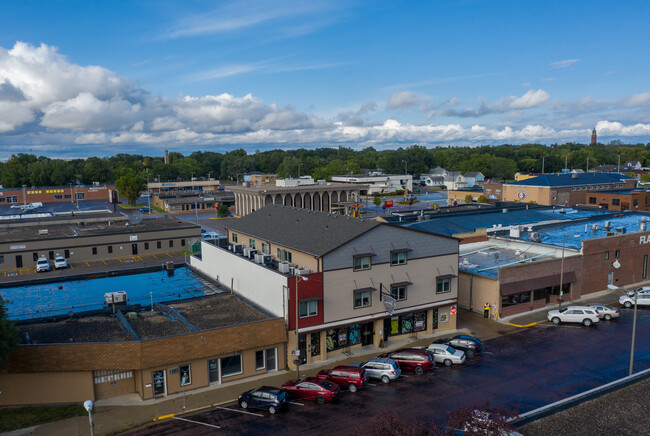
pixel 511 300
pixel 315 344
pixel 231 365
pixel 407 323
pixel 354 334
pixel 186 375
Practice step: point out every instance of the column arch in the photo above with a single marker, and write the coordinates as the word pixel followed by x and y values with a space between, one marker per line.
pixel 326 202
pixel 297 200
pixel 268 200
pixel 317 202
pixel 307 200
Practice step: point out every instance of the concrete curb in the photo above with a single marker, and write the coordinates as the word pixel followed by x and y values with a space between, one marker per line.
pixel 567 403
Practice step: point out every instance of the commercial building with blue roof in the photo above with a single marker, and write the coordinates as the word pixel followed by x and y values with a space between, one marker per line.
pixel 564 189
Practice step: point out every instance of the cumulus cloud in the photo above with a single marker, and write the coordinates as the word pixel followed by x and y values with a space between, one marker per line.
pixel 48 103
pixel 531 99
pixel 565 63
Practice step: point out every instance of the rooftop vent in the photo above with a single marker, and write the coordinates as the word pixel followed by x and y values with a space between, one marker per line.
pixel 574 176
pixel 43 232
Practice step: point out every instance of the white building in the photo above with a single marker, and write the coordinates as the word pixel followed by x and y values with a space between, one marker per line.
pixel 291 183
pixel 378 183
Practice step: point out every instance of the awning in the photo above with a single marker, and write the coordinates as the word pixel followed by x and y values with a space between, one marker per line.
pixel 536 283
pixel 447 276
pixel 405 283
pixel 363 254
pixel 401 250
pixel 369 288
pixel 308 299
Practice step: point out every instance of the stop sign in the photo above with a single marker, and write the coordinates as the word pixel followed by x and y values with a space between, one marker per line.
pixel 453 310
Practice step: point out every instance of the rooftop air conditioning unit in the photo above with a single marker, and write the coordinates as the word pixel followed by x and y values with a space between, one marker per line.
pixel 292 270
pixel 284 267
pixel 263 259
pixel 111 223
pixel 302 271
pixel 43 232
pixel 250 252
pixel 237 248
pixel 115 297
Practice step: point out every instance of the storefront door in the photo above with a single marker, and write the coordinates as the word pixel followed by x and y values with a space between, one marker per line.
pixel 302 346
pixel 159 385
pixel 19 261
pixel 213 370
pixel 367 334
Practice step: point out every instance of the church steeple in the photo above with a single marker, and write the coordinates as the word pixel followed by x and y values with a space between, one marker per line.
pixel 594 139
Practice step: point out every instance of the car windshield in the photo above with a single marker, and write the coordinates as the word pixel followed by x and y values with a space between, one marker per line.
pixel 450 350
pixel 563 310
pixel 281 396
pixel 327 385
pixel 43 261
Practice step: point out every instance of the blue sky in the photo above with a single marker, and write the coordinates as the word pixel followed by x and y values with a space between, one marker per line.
pixel 81 78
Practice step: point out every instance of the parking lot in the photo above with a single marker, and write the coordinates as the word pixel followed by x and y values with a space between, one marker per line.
pixel 522 370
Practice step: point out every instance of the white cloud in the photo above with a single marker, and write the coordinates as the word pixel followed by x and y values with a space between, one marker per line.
pixel 565 63
pixel 531 99
pixel 403 99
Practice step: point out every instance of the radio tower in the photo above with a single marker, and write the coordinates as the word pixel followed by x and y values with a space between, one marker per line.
pixel 593 137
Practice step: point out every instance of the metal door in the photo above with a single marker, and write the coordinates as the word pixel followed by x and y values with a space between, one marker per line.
pixel 134 249
pixel 19 261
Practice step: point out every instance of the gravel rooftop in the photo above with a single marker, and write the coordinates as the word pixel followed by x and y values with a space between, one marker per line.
pixel 101 328
pixel 218 311
pixel 623 412
pixel 152 325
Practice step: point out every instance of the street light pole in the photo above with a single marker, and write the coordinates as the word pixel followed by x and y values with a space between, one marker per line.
pixel 88 405
pixel 148 194
pixel 561 273
pixel 636 295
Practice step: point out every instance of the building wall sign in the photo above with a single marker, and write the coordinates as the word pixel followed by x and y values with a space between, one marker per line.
pixel 133 237
pixel 644 239
pixel 521 194
pixel 17 247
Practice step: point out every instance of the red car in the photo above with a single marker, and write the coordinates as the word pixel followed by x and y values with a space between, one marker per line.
pixel 351 377
pixel 413 359
pixel 313 388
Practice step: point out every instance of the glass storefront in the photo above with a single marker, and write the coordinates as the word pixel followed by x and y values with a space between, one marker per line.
pixel 406 323
pixel 344 337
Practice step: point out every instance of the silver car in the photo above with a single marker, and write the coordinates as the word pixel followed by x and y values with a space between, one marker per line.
pixel 579 314
pixel 381 368
pixel 641 300
pixel 605 312
pixel 641 291
pixel 446 355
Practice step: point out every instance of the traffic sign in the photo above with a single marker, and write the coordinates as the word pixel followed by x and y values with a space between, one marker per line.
pixel 453 310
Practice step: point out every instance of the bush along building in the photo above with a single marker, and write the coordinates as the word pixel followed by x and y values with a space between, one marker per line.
pixel 340 283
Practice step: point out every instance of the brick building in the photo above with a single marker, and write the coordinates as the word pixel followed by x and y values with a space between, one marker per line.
pixel 623 199
pixel 71 193
pixel 184 345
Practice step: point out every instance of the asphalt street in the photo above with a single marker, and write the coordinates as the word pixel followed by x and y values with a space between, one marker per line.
pixel 522 370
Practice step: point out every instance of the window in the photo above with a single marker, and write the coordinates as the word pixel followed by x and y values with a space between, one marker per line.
pixel 35 256
pixel 488 190
pixel 635 203
pixel 79 196
pixel 307 308
pixel 94 251
pixel 66 254
pixel 271 359
pixel 616 201
pixel 234 237
pixel 260 362
pixel 231 365
pixel 398 258
pixel 497 191
pixel 146 245
pixel 51 255
pixel 110 249
pixel 266 249
pixel 251 243
pixel 592 200
pixel 182 242
pixel 606 255
pixel 398 292
pixel 618 253
pixel 362 299
pixel 2 260
pixel 185 375
pixel 361 263
pixel 67 196
pixel 283 255
pixel 58 197
pixel 443 285
pixel 171 243
pixel 158 244
pixel 644 274
pixel 12 199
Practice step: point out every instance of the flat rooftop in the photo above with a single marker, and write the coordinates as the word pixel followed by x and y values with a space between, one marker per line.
pixel 270 189
pixel 594 227
pixel 472 221
pixel 85 226
pixel 204 313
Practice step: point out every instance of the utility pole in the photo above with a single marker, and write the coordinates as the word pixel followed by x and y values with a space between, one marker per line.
pixel 619 164
pixel 543 157
pixel 636 295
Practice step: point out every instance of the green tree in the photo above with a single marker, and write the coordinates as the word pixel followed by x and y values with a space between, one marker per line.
pixel 8 336
pixel 376 201
pixel 223 211
pixel 482 199
pixel 645 177
pixel 469 198
pixel 130 184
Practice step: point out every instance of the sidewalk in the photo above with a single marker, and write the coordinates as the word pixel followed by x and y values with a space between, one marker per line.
pixel 118 414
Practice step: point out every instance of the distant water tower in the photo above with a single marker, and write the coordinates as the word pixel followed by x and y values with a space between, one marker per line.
pixel 594 139
pixel 167 151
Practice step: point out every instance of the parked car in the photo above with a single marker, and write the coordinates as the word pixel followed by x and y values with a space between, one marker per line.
pixel 312 388
pixel 60 262
pixel 579 314
pixel 265 397
pixel 412 359
pixel 447 355
pixel 351 377
pixel 471 345
pixel 380 368
pixel 145 209
pixel 42 264
pixel 641 300
pixel 209 235
pixel 642 291
pixel 605 312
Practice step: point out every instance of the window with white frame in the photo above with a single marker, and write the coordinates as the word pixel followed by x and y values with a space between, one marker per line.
pixel 443 285
pixel 260 361
pixel 398 258
pixel 398 292
pixel 266 249
pixel 307 309
pixel 234 237
pixel 251 243
pixel 362 299
pixel 231 365
pixel 362 263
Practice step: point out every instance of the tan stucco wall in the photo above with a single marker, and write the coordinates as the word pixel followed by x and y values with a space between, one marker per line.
pixel 299 259
pixel 46 387
pixel 484 290
pixel 539 195
pixel 338 287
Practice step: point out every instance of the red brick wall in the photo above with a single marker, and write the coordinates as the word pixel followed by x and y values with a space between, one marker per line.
pixel 306 289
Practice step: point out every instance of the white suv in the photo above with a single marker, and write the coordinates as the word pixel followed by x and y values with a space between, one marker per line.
pixel 42 264
pixel 641 300
pixel 579 314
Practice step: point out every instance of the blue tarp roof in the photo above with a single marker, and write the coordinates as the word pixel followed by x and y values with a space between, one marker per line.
pixel 471 222
pixel 569 180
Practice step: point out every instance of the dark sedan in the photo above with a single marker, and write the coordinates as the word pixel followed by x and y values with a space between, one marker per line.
pixel 266 397
pixel 471 345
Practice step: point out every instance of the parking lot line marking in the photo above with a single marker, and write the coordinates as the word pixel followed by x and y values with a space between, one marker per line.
pixel 195 422
pixel 371 384
pixel 296 403
pixel 405 376
pixel 240 411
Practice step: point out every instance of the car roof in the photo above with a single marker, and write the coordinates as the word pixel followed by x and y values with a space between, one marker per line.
pixel 580 307
pixel 346 368
pixel 382 360
pixel 271 389
pixel 412 350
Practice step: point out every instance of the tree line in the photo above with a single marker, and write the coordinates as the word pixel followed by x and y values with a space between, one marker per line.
pixel 500 162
